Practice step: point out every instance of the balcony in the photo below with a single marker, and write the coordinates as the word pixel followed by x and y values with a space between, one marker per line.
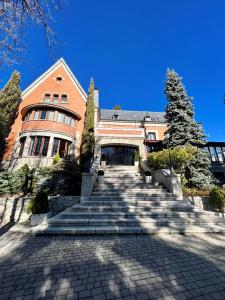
pixel 47 125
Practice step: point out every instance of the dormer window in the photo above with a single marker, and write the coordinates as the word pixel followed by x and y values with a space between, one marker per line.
pixel 47 97
pixel 147 118
pixel 55 98
pixel 64 98
pixel 115 116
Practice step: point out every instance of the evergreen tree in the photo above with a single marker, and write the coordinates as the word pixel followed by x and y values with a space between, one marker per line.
pixel 87 146
pixel 10 98
pixel 184 130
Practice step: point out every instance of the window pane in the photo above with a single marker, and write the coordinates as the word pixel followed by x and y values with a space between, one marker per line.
pixel 219 154
pixel 67 120
pixel 213 154
pixel 43 114
pixel 64 98
pixel 56 98
pixel 47 98
pixel 22 143
pixel 45 142
pixel 51 115
pixel 60 117
pixel 72 122
pixel 151 136
pixel 37 147
pixel 55 146
pixel 36 115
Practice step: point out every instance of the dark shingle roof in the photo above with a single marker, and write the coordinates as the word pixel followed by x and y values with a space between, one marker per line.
pixel 130 115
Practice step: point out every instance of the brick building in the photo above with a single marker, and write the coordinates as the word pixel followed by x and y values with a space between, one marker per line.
pixel 50 119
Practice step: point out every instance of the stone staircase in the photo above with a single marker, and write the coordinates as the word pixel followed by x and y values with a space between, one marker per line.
pixel 125 204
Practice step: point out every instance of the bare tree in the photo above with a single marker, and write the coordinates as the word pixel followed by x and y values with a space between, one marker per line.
pixel 15 15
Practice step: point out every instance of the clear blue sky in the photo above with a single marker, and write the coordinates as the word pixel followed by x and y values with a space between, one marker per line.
pixel 127 45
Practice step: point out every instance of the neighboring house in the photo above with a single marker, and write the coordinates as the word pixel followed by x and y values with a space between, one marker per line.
pixel 216 151
pixel 50 119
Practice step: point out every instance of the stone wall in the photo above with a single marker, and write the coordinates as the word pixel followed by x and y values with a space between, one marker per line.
pixel 199 202
pixel 12 209
pixel 59 203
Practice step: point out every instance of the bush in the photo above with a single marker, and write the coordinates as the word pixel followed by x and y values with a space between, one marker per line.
pixel 39 204
pixel 180 158
pixel 217 199
pixel 56 158
pixel 136 156
pixel 15 182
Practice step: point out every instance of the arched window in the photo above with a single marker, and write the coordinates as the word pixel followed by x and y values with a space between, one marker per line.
pixel 47 97
pixel 64 98
pixel 55 98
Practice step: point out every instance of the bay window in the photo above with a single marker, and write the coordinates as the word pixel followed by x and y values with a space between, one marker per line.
pixel 39 146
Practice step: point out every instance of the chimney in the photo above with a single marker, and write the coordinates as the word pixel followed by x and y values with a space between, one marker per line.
pixel 96 97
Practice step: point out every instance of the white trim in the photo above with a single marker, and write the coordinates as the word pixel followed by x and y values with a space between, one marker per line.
pixel 130 123
pixel 120 136
pixel 40 79
pixel 111 128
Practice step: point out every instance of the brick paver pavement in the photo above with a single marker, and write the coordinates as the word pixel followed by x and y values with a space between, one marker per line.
pixel 126 267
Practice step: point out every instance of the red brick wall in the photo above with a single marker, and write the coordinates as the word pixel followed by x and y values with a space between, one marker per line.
pixel 75 103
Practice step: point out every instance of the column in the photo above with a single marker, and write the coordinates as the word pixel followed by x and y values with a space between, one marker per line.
pixel 50 145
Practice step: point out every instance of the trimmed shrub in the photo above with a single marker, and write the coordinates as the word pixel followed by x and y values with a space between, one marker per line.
pixel 56 158
pixel 39 204
pixel 148 173
pixel 217 199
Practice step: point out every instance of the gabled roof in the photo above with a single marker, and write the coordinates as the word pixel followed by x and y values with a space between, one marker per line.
pixel 60 62
pixel 132 115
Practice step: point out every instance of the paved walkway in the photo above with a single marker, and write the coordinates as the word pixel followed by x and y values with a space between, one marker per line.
pixel 128 267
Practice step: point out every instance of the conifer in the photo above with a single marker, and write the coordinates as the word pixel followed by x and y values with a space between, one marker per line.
pixel 184 130
pixel 10 98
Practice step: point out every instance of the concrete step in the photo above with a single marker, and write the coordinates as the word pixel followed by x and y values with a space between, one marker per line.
pixel 129 193
pixel 110 215
pixel 111 230
pixel 130 208
pixel 135 221
pixel 136 202
pixel 133 197
pixel 122 187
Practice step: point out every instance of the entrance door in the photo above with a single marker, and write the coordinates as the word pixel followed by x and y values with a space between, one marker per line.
pixel 119 155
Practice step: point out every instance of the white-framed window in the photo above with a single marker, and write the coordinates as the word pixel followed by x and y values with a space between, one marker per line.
pixel 151 136
pixel 55 98
pixel 64 98
pixel 47 97
pixel 60 117
pixel 51 115
pixel 36 114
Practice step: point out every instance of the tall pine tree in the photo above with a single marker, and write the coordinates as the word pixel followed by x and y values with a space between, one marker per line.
pixel 87 146
pixel 184 130
pixel 10 98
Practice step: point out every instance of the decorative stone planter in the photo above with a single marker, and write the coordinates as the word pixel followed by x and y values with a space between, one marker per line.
pixel 101 178
pixel 37 219
pixel 148 179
